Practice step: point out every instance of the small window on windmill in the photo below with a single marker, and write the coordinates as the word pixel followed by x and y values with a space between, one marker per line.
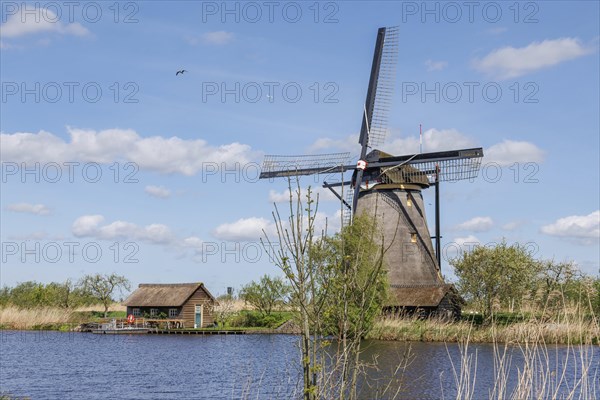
pixel 413 238
pixel 408 201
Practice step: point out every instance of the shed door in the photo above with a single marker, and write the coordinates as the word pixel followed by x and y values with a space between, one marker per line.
pixel 198 316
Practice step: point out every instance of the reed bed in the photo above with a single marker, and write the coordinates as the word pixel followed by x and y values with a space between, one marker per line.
pixel 567 329
pixel 22 318
pixel 12 317
pixel 100 308
pixel 531 370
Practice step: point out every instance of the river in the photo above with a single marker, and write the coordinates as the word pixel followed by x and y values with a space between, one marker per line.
pixel 53 365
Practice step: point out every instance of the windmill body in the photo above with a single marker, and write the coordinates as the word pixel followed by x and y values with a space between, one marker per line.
pixel 390 189
pixel 394 197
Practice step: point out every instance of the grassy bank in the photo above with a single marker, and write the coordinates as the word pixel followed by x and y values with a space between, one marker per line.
pixel 565 330
pixel 48 318
pixel 570 328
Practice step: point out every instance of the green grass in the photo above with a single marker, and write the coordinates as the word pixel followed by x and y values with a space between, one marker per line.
pixel 214 329
pixel 247 319
pixel 92 316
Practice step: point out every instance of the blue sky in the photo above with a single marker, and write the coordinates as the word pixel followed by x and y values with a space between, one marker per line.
pixel 89 88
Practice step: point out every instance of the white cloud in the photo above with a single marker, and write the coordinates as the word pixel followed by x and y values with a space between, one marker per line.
pixel 433 140
pixel 477 224
pixel 510 62
pixel 244 229
pixel 509 152
pixel 193 242
pixel 251 229
pixel 435 65
pixel 157 153
pixel 584 229
pixel 459 246
pixel 218 38
pixel 279 197
pixel 284 197
pixel 40 20
pixel 349 143
pixel 512 225
pixel 467 242
pixel 86 225
pixel 92 226
pixel 37 209
pixel 157 191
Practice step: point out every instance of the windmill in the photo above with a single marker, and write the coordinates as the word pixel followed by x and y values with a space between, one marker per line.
pixel 390 187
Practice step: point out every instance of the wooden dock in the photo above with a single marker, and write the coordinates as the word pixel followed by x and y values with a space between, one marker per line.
pixel 120 327
pixel 113 328
pixel 196 332
pixel 155 331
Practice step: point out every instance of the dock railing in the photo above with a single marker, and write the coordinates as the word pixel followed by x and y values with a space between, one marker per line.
pixel 158 323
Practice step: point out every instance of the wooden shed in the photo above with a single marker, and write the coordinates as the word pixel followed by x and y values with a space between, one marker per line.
pixel 190 302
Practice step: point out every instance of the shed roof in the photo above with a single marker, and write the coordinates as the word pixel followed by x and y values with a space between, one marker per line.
pixel 418 296
pixel 163 294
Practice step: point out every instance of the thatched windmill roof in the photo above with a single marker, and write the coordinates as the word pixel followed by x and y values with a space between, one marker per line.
pixel 420 296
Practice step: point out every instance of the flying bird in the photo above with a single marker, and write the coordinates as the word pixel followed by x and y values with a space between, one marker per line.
pixel 180 72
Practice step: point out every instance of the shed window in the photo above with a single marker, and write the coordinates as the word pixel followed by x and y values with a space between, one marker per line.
pixel 136 312
pixel 173 312
pixel 153 312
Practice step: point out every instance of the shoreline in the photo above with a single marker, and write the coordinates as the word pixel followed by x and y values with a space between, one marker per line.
pixel 424 331
pixel 564 328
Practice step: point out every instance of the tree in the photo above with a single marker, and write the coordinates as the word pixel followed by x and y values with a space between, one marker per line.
pixel 265 294
pixel 553 279
pixel 29 294
pixel 224 309
pixel 64 295
pixel 4 296
pixel 102 287
pixel 293 255
pixel 500 274
pixel 356 283
pixel 337 285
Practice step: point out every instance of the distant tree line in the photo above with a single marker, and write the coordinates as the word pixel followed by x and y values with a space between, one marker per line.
pixel 89 290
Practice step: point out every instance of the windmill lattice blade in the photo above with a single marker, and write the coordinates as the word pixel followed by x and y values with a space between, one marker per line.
pixel 385 88
pixel 280 166
pixel 448 170
pixel 347 212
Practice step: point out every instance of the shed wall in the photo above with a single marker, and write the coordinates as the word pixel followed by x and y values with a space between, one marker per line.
pixel 187 311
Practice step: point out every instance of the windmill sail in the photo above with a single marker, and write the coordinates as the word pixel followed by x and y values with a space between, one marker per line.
pixel 347 212
pixel 384 89
pixel 379 96
pixel 381 88
pixel 276 166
